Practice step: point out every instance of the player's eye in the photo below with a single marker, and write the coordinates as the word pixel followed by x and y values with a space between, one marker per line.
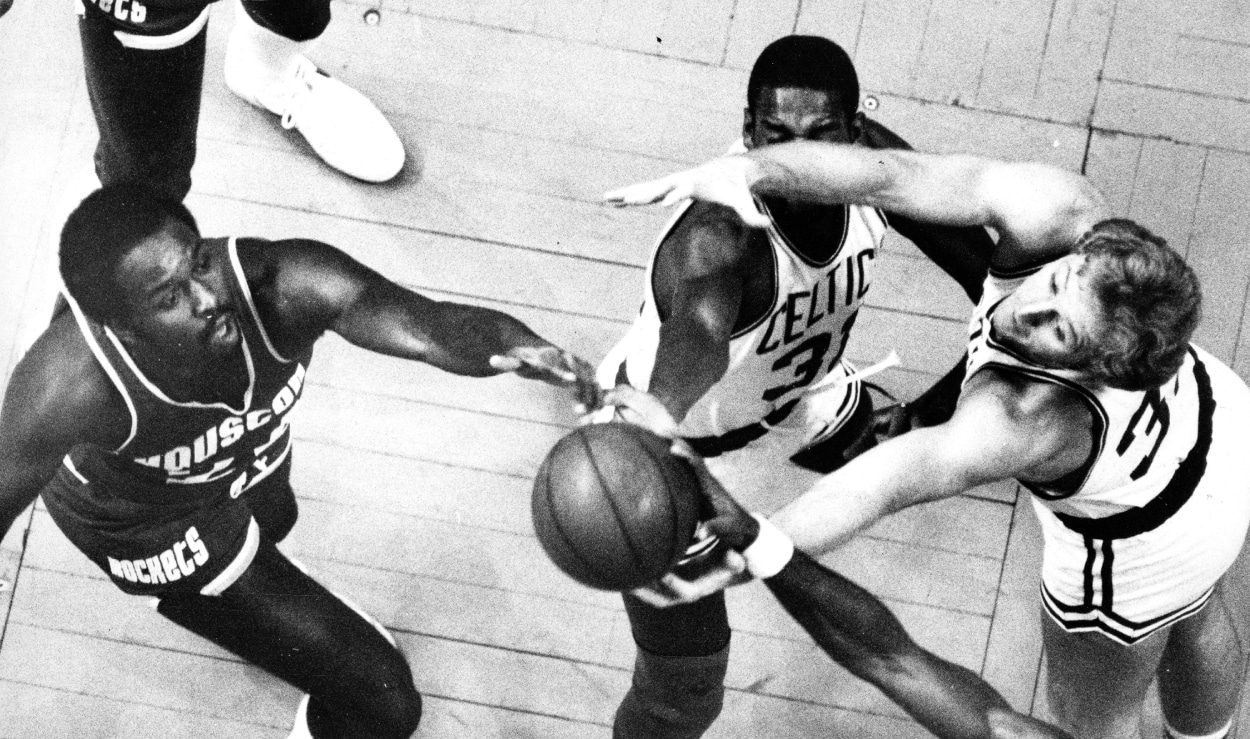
pixel 167 300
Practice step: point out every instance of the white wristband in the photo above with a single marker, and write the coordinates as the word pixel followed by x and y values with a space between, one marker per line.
pixel 770 552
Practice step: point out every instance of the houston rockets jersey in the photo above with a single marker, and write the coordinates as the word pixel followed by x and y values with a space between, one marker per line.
pixel 177 451
pixel 174 20
pixel 794 344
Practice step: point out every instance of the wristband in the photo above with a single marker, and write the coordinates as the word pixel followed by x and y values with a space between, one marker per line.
pixel 770 552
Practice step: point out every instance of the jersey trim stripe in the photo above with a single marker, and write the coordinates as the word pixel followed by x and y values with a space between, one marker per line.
pixel 1178 490
pixel 1098 435
pixel 1125 631
pixel 233 253
pixel 160 394
pixel 775 230
pixel 84 327
pixel 239 565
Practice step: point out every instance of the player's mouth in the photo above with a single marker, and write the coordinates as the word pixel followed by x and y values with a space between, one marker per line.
pixel 222 328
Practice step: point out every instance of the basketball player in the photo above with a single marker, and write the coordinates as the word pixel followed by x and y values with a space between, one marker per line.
pixel 1083 385
pixel 144 65
pixel 846 621
pixel 153 412
pixel 737 322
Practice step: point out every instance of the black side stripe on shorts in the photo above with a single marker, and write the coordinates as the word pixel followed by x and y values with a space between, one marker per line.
pixel 1123 630
pixel 1175 494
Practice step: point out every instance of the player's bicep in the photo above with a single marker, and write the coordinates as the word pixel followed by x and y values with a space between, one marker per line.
pixel 699 270
pixel 995 435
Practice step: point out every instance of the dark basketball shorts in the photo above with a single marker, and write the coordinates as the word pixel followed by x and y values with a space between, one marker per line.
pixel 160 549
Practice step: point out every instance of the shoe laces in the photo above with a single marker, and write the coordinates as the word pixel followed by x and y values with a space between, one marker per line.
pixel 298 87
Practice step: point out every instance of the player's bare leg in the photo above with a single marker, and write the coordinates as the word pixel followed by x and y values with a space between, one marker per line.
pixel 1205 663
pixel 1095 686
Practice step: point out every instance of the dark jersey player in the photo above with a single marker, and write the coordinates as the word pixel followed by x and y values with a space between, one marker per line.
pixel 738 323
pixel 143 62
pixel 152 414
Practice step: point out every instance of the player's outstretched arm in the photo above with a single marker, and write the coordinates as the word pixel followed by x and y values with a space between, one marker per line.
pixel 1000 430
pixel 856 629
pixel 698 283
pixel 1035 207
pixel 315 287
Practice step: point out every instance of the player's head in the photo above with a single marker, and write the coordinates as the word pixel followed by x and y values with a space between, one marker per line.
pixel 801 88
pixel 1121 309
pixel 134 260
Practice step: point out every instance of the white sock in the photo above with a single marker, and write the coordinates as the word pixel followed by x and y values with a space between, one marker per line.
pixel 300 730
pixel 1220 733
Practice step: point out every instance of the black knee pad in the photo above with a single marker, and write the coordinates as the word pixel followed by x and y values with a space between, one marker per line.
pixel 854 438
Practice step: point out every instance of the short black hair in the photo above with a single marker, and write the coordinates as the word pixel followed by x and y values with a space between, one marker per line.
pixel 806 62
pixel 104 227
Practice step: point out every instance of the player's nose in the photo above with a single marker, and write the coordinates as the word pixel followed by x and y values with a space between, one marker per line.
pixel 203 299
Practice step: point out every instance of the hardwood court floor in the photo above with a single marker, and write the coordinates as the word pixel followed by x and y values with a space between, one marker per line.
pixel 414 484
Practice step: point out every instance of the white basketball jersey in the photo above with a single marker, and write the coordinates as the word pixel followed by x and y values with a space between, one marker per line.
pixel 796 343
pixel 1126 552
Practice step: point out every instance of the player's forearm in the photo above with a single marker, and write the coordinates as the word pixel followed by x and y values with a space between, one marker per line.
pixel 856 629
pixel 818 172
pixel 901 472
pixel 451 336
pixel 925 187
pixel 687 363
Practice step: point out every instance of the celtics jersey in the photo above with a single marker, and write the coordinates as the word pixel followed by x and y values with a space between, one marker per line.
pixel 1136 537
pixel 177 451
pixel 792 345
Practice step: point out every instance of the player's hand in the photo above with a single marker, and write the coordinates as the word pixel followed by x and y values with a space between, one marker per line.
pixel 726 180
pixel 643 409
pixel 556 367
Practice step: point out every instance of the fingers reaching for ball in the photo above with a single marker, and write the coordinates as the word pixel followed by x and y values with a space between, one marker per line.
pixel 642 409
pixel 672 589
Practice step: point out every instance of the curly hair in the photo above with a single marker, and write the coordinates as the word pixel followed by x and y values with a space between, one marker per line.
pixel 98 235
pixel 807 62
pixel 1150 303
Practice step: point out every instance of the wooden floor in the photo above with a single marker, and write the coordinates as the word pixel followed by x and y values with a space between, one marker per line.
pixel 414 484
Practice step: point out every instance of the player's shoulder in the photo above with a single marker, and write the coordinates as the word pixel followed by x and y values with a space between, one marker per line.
pixel 1025 402
pixel 60 387
pixel 707 235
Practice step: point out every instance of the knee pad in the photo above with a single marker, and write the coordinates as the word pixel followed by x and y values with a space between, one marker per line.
pixel 1170 733
pixel 672 697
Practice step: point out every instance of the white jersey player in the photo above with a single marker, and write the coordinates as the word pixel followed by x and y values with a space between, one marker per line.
pixel 737 323
pixel 1084 386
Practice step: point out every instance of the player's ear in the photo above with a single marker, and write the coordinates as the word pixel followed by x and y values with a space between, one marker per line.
pixel 748 127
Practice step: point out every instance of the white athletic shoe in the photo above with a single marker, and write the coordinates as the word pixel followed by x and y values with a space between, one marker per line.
pixel 341 125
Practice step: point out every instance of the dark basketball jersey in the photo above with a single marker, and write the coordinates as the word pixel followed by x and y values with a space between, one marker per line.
pixel 179 452
pixel 152 17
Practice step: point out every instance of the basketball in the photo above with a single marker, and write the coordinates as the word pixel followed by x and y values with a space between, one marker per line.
pixel 612 507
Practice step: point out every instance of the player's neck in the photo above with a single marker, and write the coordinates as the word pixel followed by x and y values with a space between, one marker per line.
pixel 199 377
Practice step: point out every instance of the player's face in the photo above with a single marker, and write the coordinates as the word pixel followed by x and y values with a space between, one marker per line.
pixel 177 292
pixel 1052 316
pixel 796 114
